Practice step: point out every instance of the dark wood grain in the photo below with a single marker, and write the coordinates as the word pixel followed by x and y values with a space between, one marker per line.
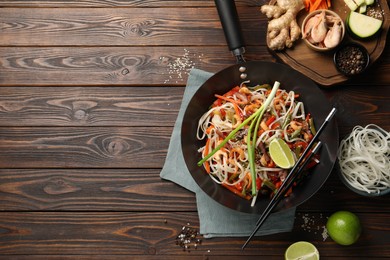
pixel 155 233
pixel 89 94
pixel 361 105
pixel 135 106
pixel 122 66
pixel 94 106
pixel 105 66
pixel 122 26
pixel 328 199
pixel 121 3
pixel 184 256
pixel 129 190
pixel 70 147
pixel 134 190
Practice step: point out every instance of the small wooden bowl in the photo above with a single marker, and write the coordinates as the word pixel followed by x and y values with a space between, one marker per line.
pixel 320 46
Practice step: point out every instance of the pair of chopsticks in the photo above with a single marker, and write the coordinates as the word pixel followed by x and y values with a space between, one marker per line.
pixel 294 173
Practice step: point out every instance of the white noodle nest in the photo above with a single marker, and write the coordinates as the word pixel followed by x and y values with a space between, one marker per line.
pixel 364 159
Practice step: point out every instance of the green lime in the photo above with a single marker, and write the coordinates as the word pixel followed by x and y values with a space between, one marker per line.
pixel 281 154
pixel 344 227
pixel 302 250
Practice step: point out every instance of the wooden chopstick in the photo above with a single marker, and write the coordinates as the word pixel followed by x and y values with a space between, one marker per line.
pixel 295 171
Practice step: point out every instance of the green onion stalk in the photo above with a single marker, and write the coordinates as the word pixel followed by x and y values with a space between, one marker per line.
pixel 252 143
pixel 251 140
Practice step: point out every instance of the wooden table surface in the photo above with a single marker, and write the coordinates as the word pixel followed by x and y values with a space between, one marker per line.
pixel 89 93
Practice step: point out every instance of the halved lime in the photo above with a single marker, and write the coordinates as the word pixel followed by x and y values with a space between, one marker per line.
pixel 302 250
pixel 281 154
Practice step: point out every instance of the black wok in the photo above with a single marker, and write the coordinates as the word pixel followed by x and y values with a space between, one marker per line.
pixel 258 72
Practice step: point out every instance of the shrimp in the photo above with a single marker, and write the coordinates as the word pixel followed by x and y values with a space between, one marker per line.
pixel 239 151
pixel 296 125
pixel 309 26
pixel 319 30
pixel 333 37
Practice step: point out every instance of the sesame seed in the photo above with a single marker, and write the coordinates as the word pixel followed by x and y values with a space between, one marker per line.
pixel 180 67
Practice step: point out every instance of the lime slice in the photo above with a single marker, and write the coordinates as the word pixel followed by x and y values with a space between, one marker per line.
pixel 281 154
pixel 302 250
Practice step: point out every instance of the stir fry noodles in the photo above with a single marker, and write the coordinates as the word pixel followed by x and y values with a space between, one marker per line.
pixel 230 166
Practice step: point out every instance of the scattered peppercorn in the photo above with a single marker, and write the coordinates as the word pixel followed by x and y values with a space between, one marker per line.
pixel 351 60
pixel 188 237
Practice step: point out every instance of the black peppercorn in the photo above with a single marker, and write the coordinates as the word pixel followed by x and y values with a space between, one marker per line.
pixel 187 237
pixel 351 59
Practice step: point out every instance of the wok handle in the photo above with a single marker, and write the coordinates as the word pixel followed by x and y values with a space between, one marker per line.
pixel 227 12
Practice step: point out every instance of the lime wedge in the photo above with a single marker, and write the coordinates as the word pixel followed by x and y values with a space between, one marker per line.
pixel 281 154
pixel 302 250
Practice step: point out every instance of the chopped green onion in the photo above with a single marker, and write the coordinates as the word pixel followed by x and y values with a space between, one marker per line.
pixel 312 127
pixel 252 143
pixel 287 120
pixel 298 150
pixel 296 133
pixel 270 185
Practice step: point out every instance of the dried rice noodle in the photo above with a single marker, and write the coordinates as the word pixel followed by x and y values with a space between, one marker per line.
pixel 364 158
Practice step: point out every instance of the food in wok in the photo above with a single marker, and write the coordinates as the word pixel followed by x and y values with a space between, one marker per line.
pixel 239 129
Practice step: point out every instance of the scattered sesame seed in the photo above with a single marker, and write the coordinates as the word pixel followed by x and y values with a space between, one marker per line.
pixel 181 66
pixel 324 233
pixel 314 224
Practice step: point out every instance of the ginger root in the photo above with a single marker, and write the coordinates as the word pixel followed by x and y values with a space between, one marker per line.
pixel 283 28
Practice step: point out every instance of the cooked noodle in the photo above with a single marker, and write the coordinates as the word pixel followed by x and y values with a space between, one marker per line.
pixel 364 158
pixel 285 118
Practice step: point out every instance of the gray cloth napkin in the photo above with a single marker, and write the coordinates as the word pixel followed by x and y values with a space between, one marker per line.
pixel 215 219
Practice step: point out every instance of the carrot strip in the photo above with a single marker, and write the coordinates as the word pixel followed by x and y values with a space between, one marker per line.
pixel 235 191
pixel 230 100
pixel 208 130
pixel 307 4
pixel 319 4
pixel 234 102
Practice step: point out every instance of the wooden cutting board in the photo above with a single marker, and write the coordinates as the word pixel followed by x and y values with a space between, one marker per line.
pixel 319 65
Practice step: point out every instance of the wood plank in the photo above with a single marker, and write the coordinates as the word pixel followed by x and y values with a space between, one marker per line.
pixel 109 66
pixel 155 106
pixel 124 66
pixel 78 147
pixel 85 190
pixel 370 107
pixel 74 147
pixel 94 106
pixel 120 3
pixel 150 257
pixel 327 199
pixel 123 26
pixel 186 256
pixel 142 233
pixel 139 190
